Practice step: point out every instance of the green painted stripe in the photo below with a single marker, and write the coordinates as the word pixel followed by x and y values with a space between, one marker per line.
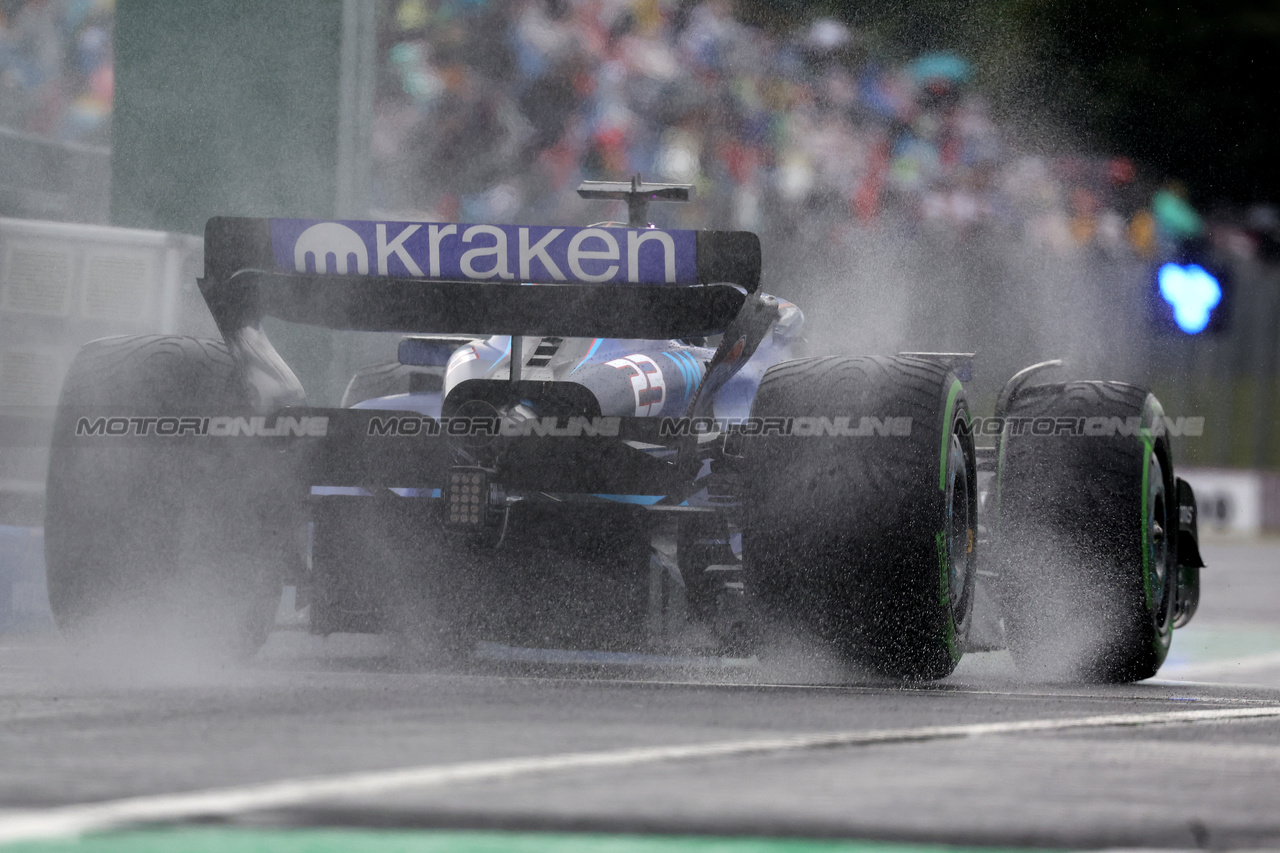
pixel 946 434
pixel 1199 645
pixel 241 840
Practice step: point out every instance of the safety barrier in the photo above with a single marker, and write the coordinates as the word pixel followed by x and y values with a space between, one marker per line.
pixel 1235 502
pixel 60 286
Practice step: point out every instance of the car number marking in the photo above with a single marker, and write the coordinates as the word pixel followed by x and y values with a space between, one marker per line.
pixel 647 382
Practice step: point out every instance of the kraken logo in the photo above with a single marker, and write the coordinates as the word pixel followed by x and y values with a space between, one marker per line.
pixel 326 239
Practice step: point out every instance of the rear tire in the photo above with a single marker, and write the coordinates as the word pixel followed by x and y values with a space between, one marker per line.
pixel 866 541
pixel 163 538
pixel 1087 533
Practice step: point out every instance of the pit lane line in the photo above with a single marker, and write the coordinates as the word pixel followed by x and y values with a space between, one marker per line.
pixel 69 821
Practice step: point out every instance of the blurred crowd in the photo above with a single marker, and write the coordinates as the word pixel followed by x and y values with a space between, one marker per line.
pixel 56 68
pixel 495 111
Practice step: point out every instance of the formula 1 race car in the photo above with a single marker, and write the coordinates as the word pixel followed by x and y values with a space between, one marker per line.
pixel 603 438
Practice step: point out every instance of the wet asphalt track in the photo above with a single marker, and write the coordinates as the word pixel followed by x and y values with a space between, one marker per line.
pixel 76 729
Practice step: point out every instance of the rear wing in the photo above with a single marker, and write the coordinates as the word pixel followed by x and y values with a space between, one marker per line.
pixel 448 278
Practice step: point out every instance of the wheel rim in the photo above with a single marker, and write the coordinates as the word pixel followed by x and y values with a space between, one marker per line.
pixel 1157 540
pixel 959 526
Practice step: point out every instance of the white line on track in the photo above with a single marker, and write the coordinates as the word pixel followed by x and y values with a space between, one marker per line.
pixel 66 821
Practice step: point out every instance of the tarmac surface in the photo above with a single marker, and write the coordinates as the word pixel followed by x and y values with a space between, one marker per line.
pixel 324 733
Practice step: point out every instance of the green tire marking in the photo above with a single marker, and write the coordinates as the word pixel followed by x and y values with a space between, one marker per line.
pixel 242 840
pixel 946 434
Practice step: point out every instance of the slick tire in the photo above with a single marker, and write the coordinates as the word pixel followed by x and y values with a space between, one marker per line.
pixel 1087 533
pixel 864 541
pixel 177 541
pixel 384 380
